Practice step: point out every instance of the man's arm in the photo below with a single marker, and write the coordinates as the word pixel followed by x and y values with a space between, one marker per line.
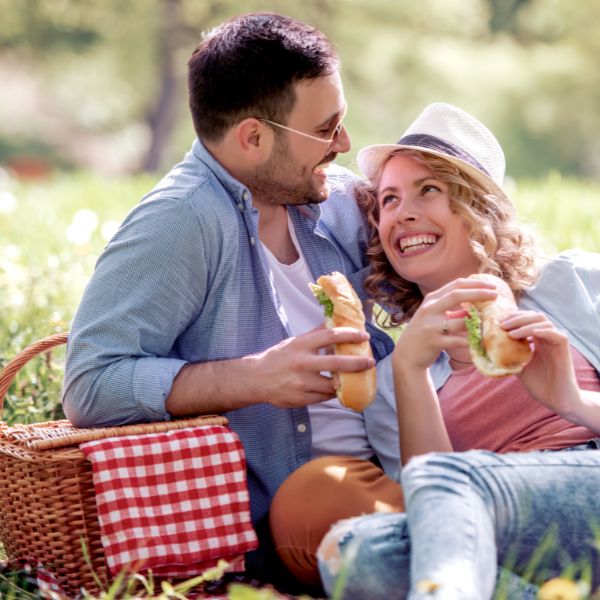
pixel 149 286
pixel 287 375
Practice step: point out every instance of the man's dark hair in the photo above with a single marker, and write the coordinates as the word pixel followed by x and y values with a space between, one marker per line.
pixel 247 67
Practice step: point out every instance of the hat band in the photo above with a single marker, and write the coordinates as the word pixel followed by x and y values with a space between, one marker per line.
pixel 431 142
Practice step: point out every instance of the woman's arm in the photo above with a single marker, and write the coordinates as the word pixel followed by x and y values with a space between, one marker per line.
pixel 550 375
pixel 586 411
pixel 420 420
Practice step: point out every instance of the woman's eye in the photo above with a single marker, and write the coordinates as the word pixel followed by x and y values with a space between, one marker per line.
pixel 387 199
pixel 429 188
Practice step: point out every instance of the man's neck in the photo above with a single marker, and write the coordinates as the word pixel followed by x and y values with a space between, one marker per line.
pixel 273 229
pixel 274 233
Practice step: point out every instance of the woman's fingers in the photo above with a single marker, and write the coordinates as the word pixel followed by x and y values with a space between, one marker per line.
pixel 530 324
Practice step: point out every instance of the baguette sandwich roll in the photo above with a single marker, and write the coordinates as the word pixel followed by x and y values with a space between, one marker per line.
pixel 343 308
pixel 493 352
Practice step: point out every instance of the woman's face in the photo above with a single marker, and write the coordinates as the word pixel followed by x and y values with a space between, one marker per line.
pixel 423 239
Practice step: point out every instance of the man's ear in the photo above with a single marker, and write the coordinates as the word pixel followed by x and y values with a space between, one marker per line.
pixel 254 139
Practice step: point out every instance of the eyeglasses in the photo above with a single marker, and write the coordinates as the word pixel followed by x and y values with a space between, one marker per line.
pixel 334 135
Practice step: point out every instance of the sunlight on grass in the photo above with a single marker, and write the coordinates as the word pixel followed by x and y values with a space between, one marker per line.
pixel 52 232
pixel 565 211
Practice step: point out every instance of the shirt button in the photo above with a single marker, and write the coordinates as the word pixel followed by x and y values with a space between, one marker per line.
pixel 252 240
pixel 241 206
pixel 302 428
pixel 245 195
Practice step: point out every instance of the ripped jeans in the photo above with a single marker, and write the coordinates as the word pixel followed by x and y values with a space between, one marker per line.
pixel 466 514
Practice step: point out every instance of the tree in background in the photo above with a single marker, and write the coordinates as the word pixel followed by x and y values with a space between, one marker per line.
pixel 101 83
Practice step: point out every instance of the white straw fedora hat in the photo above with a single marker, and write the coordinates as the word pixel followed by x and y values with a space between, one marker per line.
pixel 447 131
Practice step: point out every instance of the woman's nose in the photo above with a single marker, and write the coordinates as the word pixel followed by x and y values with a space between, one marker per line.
pixel 406 211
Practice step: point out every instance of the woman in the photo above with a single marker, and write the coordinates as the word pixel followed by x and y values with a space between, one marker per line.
pixel 439 214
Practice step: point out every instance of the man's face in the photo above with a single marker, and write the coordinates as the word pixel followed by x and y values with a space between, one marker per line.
pixel 295 171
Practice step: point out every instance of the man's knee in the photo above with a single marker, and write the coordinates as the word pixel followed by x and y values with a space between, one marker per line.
pixel 371 554
pixel 319 494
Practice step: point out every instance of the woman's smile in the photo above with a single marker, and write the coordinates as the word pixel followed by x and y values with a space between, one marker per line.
pixel 416 243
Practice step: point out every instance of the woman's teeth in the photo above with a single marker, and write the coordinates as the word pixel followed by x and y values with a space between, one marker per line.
pixel 416 242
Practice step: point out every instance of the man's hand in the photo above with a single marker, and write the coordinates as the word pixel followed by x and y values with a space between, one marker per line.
pixel 290 374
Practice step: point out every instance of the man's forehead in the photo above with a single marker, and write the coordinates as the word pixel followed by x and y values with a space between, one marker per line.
pixel 320 99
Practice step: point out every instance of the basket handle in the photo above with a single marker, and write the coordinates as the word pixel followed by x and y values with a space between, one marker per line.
pixel 12 367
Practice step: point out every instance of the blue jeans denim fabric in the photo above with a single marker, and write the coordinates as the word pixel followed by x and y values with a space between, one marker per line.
pixel 469 512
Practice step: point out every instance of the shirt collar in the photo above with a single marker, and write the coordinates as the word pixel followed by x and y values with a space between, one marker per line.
pixel 229 182
pixel 310 211
pixel 239 190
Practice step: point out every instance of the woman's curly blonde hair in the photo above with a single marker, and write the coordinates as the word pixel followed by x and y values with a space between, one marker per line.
pixel 503 246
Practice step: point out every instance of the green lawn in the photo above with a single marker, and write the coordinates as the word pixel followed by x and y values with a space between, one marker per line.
pixel 52 231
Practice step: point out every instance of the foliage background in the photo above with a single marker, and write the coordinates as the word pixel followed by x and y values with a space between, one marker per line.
pixel 101 83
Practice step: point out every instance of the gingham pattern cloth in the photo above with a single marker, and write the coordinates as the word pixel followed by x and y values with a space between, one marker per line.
pixel 174 502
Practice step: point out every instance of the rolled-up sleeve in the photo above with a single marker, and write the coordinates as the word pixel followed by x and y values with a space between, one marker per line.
pixel 147 287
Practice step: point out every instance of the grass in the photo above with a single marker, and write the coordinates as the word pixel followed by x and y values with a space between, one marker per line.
pixel 52 231
pixel 565 211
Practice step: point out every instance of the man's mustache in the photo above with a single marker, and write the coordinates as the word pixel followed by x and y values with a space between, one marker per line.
pixel 329 158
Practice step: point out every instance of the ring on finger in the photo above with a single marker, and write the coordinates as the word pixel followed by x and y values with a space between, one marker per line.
pixel 445 330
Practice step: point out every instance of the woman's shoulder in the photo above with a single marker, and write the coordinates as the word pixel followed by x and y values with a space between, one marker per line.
pixel 573 267
pixel 568 292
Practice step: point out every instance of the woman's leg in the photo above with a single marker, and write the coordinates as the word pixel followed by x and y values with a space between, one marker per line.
pixel 468 512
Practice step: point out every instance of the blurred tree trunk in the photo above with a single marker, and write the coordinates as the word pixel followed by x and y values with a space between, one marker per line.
pixel 161 120
pixel 174 34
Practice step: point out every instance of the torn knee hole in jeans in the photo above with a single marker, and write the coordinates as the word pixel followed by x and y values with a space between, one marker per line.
pixel 329 552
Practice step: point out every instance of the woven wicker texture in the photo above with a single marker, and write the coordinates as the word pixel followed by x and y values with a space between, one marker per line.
pixel 47 503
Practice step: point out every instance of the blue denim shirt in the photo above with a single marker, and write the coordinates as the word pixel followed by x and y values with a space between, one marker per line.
pixel 567 291
pixel 184 280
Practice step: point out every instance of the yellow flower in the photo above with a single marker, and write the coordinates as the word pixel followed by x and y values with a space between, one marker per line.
pixel 426 586
pixel 559 589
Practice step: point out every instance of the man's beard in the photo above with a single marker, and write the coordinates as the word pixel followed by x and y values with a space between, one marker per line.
pixel 279 181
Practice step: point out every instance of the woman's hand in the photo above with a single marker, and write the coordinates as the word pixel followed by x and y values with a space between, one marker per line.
pixel 549 377
pixel 438 323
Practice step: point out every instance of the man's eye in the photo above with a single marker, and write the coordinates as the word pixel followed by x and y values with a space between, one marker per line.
pixel 331 131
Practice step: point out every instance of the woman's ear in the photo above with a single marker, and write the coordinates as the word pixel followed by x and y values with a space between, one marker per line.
pixel 254 139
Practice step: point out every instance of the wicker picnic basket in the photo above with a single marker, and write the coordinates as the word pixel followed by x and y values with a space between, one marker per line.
pixel 47 503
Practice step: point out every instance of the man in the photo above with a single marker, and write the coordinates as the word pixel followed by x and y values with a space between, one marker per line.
pixel 200 304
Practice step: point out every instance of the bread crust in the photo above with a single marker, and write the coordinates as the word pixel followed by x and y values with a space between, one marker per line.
pixel 354 390
pixel 507 356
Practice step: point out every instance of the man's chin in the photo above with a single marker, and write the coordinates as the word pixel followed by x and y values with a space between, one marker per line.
pixel 320 186
pixel 322 192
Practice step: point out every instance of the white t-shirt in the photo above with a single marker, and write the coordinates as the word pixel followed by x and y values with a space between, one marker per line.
pixel 335 429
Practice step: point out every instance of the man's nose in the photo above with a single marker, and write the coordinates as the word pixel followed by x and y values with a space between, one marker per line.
pixel 342 142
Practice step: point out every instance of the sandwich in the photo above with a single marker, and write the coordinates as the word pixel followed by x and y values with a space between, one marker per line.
pixel 493 352
pixel 343 308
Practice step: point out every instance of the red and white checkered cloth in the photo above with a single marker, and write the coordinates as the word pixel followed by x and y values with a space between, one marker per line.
pixel 174 502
